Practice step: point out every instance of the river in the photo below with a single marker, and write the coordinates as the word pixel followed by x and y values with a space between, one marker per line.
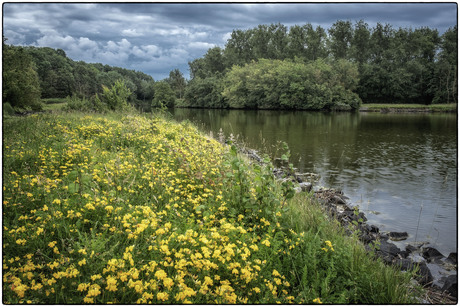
pixel 400 169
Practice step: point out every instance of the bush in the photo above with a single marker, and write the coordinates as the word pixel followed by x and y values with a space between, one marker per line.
pixel 276 84
pixel 164 95
pixel 7 109
pixel 116 98
pixel 82 104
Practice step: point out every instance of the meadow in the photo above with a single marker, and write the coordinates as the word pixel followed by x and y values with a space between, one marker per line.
pixel 132 209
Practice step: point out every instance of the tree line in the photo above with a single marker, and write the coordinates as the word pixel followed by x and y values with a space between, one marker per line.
pixel 266 67
pixel 302 67
pixel 31 74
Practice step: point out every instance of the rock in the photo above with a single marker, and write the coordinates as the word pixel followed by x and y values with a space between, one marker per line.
pixel 383 236
pixel 389 249
pixel 424 276
pixel 431 254
pixel 305 186
pixel 374 229
pixel 365 238
pixel 362 216
pixel 398 236
pixel 366 228
pixel 411 248
pixel 451 285
pixel 452 258
pixel 337 200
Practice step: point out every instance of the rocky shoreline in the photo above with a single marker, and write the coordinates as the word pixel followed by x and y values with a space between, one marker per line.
pixel 436 272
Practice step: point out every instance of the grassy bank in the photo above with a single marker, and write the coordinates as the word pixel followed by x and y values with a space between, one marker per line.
pixel 138 209
pixel 374 107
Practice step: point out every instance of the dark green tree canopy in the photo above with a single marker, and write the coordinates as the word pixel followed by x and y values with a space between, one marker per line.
pixel 21 86
pixel 393 65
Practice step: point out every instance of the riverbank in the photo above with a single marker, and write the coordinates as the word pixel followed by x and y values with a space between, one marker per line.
pixel 123 208
pixel 436 272
pixel 409 108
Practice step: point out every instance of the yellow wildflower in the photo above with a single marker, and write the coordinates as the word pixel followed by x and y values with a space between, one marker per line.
pixel 21 241
pixel 168 283
pixel 160 274
pixel 266 243
pixel 97 276
pixel 317 300
pixel 111 284
pixel 162 296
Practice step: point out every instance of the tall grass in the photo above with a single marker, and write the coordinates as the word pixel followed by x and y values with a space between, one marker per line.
pixel 123 208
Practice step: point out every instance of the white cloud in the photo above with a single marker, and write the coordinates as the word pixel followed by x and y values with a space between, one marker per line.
pixel 200 45
pixel 131 33
pixel 52 39
pixel 146 52
pixel 85 43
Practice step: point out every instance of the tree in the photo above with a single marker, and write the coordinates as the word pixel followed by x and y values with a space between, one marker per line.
pixel 238 50
pixel 446 70
pixel 297 41
pixel 55 71
pixel 146 90
pixel 359 49
pixel 21 87
pixel 116 97
pixel 341 35
pixel 164 95
pixel 85 79
pixel 205 93
pixel 277 47
pixel 316 43
pixel 177 82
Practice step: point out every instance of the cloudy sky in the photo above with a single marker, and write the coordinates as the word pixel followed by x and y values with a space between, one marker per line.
pixel 157 38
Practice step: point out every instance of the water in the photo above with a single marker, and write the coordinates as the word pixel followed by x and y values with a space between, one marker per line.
pixel 400 169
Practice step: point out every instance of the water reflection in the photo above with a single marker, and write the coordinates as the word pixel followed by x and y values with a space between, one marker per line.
pixel 396 167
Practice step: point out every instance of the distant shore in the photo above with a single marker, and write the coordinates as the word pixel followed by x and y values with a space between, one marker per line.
pixel 409 108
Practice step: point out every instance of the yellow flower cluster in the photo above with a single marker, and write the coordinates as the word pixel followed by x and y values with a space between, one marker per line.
pixel 328 247
pixel 132 210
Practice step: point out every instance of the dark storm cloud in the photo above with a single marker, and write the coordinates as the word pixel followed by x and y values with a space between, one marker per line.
pixel 158 37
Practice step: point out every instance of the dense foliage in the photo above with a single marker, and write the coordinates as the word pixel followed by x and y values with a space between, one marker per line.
pixel 394 66
pixel 20 80
pixel 127 209
pixel 270 66
pixel 33 73
pixel 275 84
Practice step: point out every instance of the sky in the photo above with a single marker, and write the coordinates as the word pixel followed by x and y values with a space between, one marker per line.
pixel 156 38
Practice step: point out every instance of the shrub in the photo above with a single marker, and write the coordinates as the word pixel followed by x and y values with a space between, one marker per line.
pixel 7 109
pixel 116 97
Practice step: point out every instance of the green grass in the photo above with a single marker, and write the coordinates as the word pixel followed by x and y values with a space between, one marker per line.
pixel 377 107
pixel 53 104
pixel 123 208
